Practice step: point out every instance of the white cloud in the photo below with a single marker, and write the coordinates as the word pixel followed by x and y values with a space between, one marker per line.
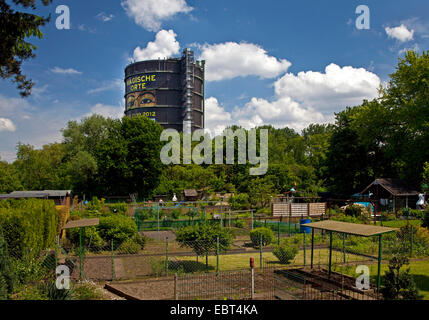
pixel 216 117
pixel 308 97
pixel 106 111
pixel 106 86
pixel 164 46
pixel 400 33
pixel 231 59
pixel 7 125
pixel 151 13
pixel 104 17
pixel 336 88
pixel 59 70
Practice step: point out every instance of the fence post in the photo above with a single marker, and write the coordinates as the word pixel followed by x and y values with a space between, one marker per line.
pixel 252 219
pixel 304 249
pixel 411 241
pixel 252 278
pixel 278 233
pixel 344 247
pixel 113 260
pixel 80 254
pixel 217 255
pixel 166 255
pixel 176 293
pixel 230 217
pixel 260 251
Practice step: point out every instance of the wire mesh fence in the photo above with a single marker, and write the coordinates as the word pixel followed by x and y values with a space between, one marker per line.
pixel 164 256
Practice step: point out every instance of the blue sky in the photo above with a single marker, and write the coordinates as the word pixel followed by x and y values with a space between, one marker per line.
pixel 285 63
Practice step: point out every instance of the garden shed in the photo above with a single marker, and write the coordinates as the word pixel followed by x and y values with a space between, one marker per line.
pixel 60 197
pixel 190 194
pixel 392 194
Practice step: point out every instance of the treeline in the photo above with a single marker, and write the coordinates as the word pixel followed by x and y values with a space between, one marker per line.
pixel 385 137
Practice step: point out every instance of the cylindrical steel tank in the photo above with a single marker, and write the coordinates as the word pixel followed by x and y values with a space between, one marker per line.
pixel 168 91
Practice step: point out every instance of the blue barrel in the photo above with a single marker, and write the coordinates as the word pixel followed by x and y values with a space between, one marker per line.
pixel 302 228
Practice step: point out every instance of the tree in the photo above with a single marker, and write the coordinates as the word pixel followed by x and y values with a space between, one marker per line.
pixel 7 277
pixel 41 169
pixel 399 284
pixel 202 238
pixel 9 179
pixel 260 191
pixel 15 27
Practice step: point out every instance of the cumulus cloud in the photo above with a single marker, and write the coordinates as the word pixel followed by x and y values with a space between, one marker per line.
pixel 164 46
pixel 151 13
pixel 59 70
pixel 400 33
pixel 336 88
pixel 304 98
pixel 231 59
pixel 7 125
pixel 107 111
pixel 216 117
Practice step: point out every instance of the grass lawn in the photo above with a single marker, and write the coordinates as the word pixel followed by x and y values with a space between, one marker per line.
pixel 241 261
pixel 419 269
pixel 399 223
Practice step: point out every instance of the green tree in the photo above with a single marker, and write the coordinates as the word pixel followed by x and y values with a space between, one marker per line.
pixel 41 169
pixel 15 28
pixel 260 191
pixel 399 284
pixel 202 238
pixel 9 179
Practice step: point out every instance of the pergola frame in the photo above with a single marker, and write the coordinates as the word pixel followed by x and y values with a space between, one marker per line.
pixel 345 228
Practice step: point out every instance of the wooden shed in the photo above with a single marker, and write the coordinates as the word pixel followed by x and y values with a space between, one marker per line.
pixel 190 194
pixel 392 194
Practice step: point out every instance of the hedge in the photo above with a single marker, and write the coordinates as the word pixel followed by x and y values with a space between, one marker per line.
pixel 29 225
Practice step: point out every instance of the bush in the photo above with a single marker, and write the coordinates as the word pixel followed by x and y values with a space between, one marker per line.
pixel 175 214
pixel 353 210
pixel 120 208
pixel 240 224
pixel 240 201
pixel 28 223
pixel 90 238
pixel 29 292
pixel 86 291
pixel 7 274
pixel 425 223
pixel 143 214
pixel 285 252
pixel 117 227
pixel 266 234
pixel 129 246
pixel 399 284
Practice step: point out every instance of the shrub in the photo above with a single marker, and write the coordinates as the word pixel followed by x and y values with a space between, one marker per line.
pixel 425 223
pixel 353 210
pixel 175 214
pixel 285 252
pixel 120 208
pixel 240 224
pixel 86 290
pixel 266 234
pixel 117 227
pixel 29 292
pixel 90 238
pixel 28 223
pixel 240 201
pixel 143 214
pixel 399 284
pixel 129 246
pixel 7 275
